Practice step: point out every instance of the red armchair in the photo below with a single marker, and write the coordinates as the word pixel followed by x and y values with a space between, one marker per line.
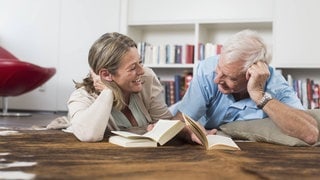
pixel 19 77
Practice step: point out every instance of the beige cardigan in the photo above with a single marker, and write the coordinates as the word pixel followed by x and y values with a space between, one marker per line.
pixel 90 116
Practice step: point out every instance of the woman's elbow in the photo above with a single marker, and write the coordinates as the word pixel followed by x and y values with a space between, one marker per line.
pixel 86 136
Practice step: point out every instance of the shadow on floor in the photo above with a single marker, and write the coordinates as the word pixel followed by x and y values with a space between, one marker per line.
pixel 36 119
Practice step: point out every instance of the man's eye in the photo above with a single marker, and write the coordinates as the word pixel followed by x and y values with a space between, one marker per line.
pixel 233 79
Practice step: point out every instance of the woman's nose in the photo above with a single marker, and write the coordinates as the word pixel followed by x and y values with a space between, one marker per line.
pixel 140 69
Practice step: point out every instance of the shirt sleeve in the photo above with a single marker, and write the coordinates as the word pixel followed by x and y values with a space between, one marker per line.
pixel 201 90
pixel 280 90
pixel 89 116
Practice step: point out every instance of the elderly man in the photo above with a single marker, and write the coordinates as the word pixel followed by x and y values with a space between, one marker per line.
pixel 239 85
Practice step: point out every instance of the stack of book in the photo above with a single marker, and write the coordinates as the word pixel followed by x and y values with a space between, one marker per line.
pixel 307 90
pixel 176 88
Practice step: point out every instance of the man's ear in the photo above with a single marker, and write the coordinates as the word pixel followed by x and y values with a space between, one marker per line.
pixel 105 74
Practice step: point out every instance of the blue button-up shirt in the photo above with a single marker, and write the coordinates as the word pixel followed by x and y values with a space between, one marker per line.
pixel 205 103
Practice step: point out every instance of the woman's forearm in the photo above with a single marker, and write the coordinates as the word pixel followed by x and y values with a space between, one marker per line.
pixel 89 124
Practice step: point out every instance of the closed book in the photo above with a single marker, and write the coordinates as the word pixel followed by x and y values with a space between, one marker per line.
pixel 177 87
pixel 178 54
pixel 201 51
pixel 189 54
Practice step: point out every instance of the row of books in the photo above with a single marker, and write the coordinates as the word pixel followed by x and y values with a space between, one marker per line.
pixel 307 90
pixel 175 89
pixel 208 49
pixel 174 53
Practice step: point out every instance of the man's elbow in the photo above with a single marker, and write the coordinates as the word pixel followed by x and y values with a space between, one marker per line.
pixel 312 136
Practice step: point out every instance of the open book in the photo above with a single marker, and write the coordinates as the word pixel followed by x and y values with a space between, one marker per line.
pixel 162 132
pixel 210 141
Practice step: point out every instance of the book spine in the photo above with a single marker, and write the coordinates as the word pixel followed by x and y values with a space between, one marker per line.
pixel 189 54
pixel 177 87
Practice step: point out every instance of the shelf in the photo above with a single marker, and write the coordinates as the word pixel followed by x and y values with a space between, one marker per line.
pixel 192 25
pixel 214 31
pixel 301 65
pixel 171 66
pixel 163 34
pixel 200 21
pixel 218 33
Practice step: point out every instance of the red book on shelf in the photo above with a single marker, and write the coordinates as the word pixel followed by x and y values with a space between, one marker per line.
pixel 219 46
pixel 309 92
pixel 189 53
pixel 187 80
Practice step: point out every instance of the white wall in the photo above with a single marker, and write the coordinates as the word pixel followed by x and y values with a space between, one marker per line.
pixel 157 11
pixel 55 33
pixel 297 38
pixel 59 33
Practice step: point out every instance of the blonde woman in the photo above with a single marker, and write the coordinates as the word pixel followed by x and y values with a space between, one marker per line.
pixel 126 94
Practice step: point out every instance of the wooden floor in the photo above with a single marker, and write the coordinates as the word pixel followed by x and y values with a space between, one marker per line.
pixel 36 119
pixel 54 154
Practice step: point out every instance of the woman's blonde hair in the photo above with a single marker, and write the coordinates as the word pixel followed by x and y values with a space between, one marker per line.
pixel 88 85
pixel 107 53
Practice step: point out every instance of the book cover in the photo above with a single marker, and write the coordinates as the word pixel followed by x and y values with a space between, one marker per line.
pixel 177 87
pixel 189 54
pixel 178 54
pixel 201 49
pixel 187 80
pixel 171 92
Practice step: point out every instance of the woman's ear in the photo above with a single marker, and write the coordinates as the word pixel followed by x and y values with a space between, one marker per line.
pixel 105 74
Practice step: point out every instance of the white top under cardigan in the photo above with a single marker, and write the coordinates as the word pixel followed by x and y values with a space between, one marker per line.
pixel 90 115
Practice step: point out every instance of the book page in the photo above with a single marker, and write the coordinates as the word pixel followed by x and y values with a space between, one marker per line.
pixel 129 134
pixel 209 141
pixel 164 130
pixel 194 126
pixel 221 142
pixel 129 142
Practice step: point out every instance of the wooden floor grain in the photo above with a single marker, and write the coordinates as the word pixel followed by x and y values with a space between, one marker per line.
pixel 59 155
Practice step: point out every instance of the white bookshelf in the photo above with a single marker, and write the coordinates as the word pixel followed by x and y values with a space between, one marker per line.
pixel 162 34
pixel 193 22
pixel 193 32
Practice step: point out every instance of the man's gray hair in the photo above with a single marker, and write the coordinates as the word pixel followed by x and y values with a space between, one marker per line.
pixel 248 46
